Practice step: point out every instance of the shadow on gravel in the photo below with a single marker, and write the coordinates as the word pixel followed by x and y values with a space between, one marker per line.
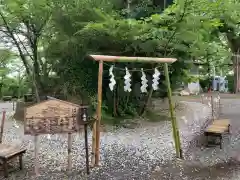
pixel 194 171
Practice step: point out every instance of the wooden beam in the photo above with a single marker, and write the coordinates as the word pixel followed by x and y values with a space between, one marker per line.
pixel 132 59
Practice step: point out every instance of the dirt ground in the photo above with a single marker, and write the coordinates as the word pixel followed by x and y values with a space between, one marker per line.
pixel 209 163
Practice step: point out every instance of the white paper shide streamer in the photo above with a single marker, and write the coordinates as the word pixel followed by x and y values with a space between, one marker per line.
pixel 144 82
pixel 112 80
pixel 216 100
pixel 155 79
pixel 209 104
pixel 49 137
pixel 15 123
pixel 127 77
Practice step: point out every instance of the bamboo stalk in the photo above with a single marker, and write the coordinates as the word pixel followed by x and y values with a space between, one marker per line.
pixel 99 113
pixel 173 116
pixel 132 59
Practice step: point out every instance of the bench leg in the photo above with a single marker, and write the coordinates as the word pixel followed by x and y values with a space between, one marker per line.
pixel 5 168
pixel 221 142
pixel 206 139
pixel 20 162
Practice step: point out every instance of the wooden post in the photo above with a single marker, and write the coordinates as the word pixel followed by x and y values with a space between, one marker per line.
pixel 202 98
pixel 69 152
pixel 86 148
pixel 36 160
pixel 176 135
pixel 99 113
pixel 219 105
pixel 93 154
pixel 212 106
pixel 36 142
pixel 13 105
pixel 2 125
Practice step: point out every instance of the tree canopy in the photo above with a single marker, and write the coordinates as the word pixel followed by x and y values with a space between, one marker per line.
pixel 53 38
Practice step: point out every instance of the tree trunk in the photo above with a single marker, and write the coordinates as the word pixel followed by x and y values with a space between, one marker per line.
pixel 23 57
pixel 234 44
pixel 209 72
pixel 236 68
pixel 36 66
pixel 115 102
pixel 146 103
pixel 11 35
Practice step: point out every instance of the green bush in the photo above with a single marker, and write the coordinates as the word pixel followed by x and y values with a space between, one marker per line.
pixel 205 82
pixel 230 79
pixel 7 98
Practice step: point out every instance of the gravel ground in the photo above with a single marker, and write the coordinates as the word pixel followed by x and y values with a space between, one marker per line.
pixel 210 163
pixel 142 154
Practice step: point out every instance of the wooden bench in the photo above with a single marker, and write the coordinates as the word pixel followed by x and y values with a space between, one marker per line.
pixel 9 152
pixel 217 129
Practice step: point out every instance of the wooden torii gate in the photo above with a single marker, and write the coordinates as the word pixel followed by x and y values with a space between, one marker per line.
pixel 96 127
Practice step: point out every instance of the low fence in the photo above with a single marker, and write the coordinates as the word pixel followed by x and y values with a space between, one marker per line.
pixel 213 102
pixel 5 115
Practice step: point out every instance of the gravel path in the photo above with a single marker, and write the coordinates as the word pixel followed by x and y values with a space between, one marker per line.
pixel 210 163
pixel 141 154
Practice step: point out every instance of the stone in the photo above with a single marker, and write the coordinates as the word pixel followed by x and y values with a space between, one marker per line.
pixel 184 93
pixel 157 169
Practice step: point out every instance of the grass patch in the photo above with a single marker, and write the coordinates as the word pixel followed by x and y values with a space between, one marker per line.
pixel 156 117
pixel 115 121
pixel 149 116
pixel 110 120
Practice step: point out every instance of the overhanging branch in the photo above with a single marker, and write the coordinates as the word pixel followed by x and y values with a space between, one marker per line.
pixel 8 28
pixel 175 31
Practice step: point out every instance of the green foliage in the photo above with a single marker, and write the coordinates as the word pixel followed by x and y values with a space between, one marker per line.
pixel 61 34
pixel 11 87
pixel 114 36
pixel 205 82
pixel 5 58
pixel 230 79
